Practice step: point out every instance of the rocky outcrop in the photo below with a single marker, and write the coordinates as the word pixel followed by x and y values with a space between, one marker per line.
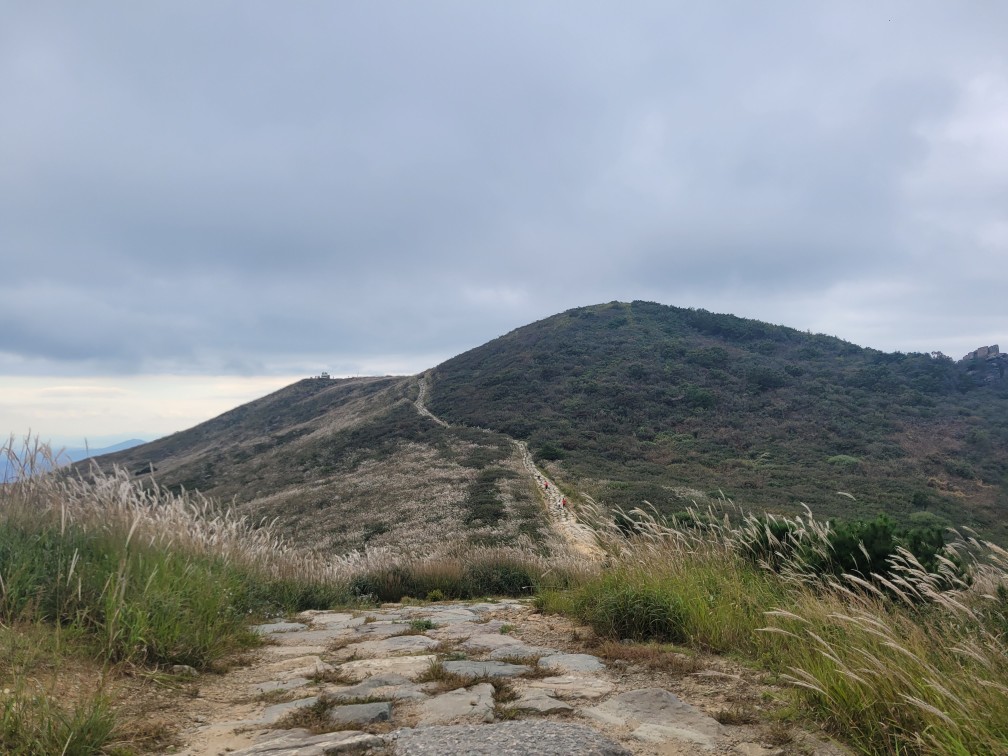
pixel 987 363
pixel 983 353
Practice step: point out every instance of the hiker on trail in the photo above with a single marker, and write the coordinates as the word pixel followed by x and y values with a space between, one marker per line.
pixel 563 503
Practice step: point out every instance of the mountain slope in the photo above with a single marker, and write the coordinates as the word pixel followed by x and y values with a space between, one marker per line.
pixel 344 464
pixel 644 401
pixel 624 402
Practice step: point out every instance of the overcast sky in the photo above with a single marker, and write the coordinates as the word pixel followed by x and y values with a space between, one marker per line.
pixel 202 201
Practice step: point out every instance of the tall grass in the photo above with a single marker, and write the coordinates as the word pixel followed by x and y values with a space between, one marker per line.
pixel 474 572
pixel 125 574
pixel 909 661
pixel 34 725
pixel 149 576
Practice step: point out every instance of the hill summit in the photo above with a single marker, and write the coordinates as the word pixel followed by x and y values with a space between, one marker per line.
pixel 624 402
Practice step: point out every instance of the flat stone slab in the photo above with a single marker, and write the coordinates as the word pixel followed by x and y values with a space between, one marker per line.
pixel 276 712
pixel 445 615
pixel 488 668
pixel 396 616
pixel 537 736
pixel 492 641
pixel 494 606
pixel 572 663
pixel 657 716
pixel 322 617
pixel 302 743
pixel 474 703
pixel 569 687
pixel 390 685
pixel 286 652
pixel 410 666
pixel 297 666
pixel 277 627
pixel 310 637
pixel 400 645
pixel 658 734
pixel 539 701
pixel 377 630
pixel 453 631
pixel 521 651
pixel 271 685
pixel 361 714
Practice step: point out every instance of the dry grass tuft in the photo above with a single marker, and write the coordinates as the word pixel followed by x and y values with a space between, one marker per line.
pixel 737 715
pixel 651 655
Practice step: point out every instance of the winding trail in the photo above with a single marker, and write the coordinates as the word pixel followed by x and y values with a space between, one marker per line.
pixel 421 400
pixel 560 511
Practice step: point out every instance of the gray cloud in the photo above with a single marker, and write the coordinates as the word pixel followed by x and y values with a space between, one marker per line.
pixel 231 187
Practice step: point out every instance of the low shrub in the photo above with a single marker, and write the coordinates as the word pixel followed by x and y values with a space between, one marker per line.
pixel 630 606
pixel 486 572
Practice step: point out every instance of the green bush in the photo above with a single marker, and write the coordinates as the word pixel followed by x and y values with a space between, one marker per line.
pixel 620 606
pixel 499 579
pixel 548 452
pixel 489 573
pixel 843 460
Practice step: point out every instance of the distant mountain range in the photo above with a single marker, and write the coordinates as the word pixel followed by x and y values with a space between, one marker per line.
pixel 625 402
pixel 67 455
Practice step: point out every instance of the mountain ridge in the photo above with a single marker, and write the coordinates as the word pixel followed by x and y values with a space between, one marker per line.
pixel 626 402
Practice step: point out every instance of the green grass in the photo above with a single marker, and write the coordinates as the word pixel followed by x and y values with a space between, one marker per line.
pixel 710 602
pixel 104 575
pixel 34 724
pixel 909 661
pixel 40 714
pixel 136 600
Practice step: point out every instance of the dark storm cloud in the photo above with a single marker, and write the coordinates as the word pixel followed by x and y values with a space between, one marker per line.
pixel 248 188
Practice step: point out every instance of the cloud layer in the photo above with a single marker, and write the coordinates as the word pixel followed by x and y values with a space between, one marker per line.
pixel 248 189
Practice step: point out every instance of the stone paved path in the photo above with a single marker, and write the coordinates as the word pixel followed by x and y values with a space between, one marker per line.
pixel 464 678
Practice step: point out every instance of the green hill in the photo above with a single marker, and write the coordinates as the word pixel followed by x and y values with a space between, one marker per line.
pixel 644 401
pixel 624 402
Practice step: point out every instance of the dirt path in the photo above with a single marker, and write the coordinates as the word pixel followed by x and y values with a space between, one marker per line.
pixel 560 513
pixel 421 400
pixel 478 678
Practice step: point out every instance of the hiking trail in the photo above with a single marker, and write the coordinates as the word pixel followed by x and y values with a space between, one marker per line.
pixel 560 510
pixel 477 677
